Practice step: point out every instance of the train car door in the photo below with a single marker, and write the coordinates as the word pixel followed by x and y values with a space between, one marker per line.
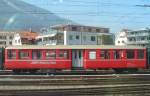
pixel 77 58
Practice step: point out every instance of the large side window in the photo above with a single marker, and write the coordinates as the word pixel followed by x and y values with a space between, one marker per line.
pixel 50 54
pixel 11 54
pixel 36 54
pixel 92 54
pixel 140 54
pixel 130 54
pixel 23 54
pixel 104 54
pixel 63 54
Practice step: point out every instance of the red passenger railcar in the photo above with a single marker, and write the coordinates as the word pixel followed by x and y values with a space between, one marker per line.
pixel 74 56
pixel 37 57
pixel 115 57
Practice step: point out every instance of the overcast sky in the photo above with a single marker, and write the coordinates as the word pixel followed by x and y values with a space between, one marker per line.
pixel 114 14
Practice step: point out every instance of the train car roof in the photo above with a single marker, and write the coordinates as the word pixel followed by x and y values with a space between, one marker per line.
pixel 73 47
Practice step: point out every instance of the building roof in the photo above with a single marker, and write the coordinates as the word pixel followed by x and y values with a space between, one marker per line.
pixel 28 34
pixel 73 47
pixel 77 25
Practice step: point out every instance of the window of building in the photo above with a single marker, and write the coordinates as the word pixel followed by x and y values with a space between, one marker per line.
pixel 92 54
pixel 104 54
pixel 118 42
pixel 23 54
pixel 106 30
pixel 70 37
pixel 74 28
pixel 123 42
pixel 3 42
pixel 130 54
pixel 36 54
pixel 11 54
pixel 97 30
pixel 142 38
pixel 3 37
pixel 77 37
pixel 140 54
pixel 10 42
pixel 92 38
pixel 89 30
pixel 10 37
pixel 63 54
pixel 50 54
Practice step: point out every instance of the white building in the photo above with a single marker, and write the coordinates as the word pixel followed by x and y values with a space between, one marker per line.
pixel 138 37
pixel 6 38
pixel 77 35
pixel 121 38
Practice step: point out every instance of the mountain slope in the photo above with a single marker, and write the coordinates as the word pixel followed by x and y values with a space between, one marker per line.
pixel 18 15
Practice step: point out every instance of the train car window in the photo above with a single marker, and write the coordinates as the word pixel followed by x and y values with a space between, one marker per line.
pixel 92 54
pixel 50 54
pixel 118 54
pixel 140 54
pixel 130 54
pixel 11 54
pixel 23 54
pixel 63 54
pixel 36 54
pixel 104 54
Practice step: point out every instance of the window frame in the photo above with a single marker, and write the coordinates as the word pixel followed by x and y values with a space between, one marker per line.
pixel 120 54
pixel 64 52
pixel 92 56
pixel 37 51
pixel 8 55
pixel 24 51
pixel 140 54
pixel 52 54
pixel 130 54
pixel 93 38
pixel 106 53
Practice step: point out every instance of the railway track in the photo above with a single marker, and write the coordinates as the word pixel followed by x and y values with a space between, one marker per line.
pixel 130 84
pixel 117 90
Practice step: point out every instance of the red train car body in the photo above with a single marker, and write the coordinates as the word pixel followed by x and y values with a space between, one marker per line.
pixel 74 56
